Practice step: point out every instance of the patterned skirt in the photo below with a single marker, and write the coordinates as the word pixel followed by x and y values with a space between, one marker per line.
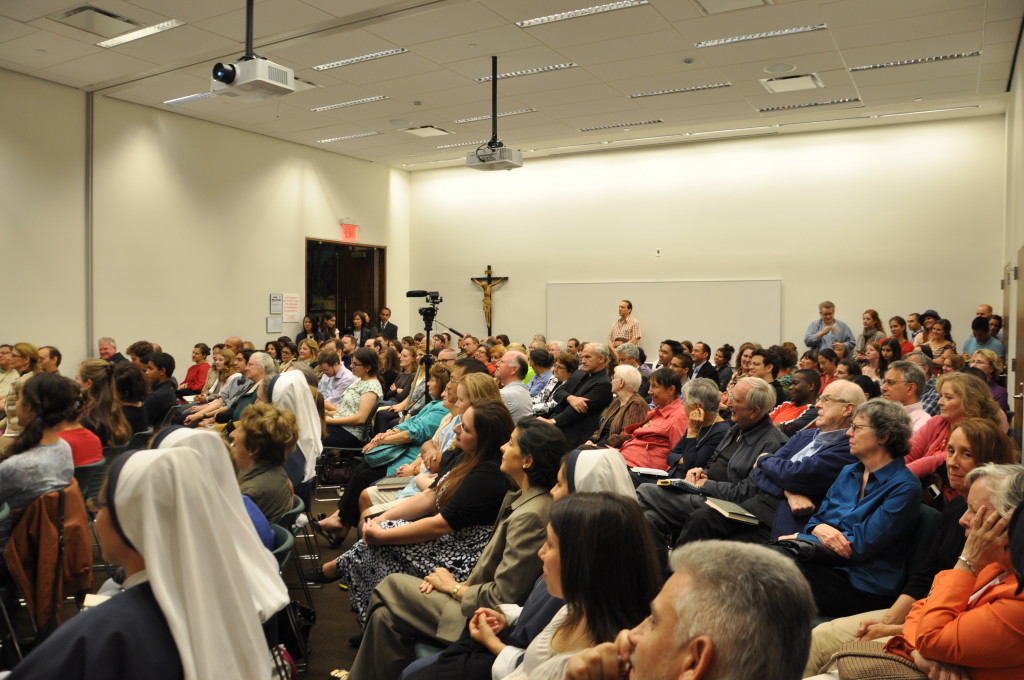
pixel 364 566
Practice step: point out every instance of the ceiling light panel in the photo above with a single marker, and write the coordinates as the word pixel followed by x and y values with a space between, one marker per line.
pixel 529 71
pixel 760 36
pixel 342 139
pixel 790 107
pixel 354 102
pixel 453 146
pixel 188 99
pixel 620 125
pixel 356 60
pixel 920 60
pixel 488 116
pixel 694 88
pixel 582 12
pixel 141 33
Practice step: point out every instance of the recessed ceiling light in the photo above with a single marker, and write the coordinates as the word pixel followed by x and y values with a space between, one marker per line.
pixel 828 120
pixel 849 100
pixel 452 146
pixel 759 36
pixel 792 83
pixel 141 33
pixel 694 88
pixel 188 99
pixel 719 132
pixel 586 11
pixel 915 113
pixel 342 139
pixel 444 160
pixel 487 116
pixel 620 125
pixel 529 71
pixel 921 60
pixel 354 102
pixel 779 68
pixel 356 60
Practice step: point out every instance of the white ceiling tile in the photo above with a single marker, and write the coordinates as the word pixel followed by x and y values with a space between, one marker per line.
pixel 998 52
pixel 10 29
pixel 422 84
pixel 917 72
pixel 991 87
pixel 97 68
pixel 26 11
pixel 769 50
pixel 437 22
pixel 41 49
pixel 913 49
pixel 516 60
pixel 476 45
pixel 630 47
pixel 189 11
pixel 749 21
pixel 934 25
pixel 640 67
pixel 167 47
pixel 273 17
pixel 1006 30
pixel 858 12
pixel 937 86
pixel 677 10
pixel 386 68
pixel 329 46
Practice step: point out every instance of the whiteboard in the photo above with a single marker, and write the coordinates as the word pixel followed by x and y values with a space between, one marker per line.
pixel 715 312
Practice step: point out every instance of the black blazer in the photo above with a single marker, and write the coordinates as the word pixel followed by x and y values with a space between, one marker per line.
pixel 707 371
pixel 389 331
pixel 577 427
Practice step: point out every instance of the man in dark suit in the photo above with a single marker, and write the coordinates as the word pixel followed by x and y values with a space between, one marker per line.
pixel 385 327
pixel 588 392
pixel 702 367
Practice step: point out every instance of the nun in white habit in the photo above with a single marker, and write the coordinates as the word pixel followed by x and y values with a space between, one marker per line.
pixel 173 518
pixel 290 391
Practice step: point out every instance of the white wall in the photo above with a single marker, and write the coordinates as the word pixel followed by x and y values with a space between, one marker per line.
pixel 1014 235
pixel 195 224
pixel 898 218
pixel 42 194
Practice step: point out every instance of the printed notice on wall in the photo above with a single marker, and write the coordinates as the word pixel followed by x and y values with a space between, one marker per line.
pixel 274 325
pixel 276 303
pixel 291 308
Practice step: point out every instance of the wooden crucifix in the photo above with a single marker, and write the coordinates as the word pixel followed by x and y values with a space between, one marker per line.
pixel 488 283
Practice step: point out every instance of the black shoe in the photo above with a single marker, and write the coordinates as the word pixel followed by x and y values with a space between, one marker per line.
pixel 355 641
pixel 316 575
pixel 333 540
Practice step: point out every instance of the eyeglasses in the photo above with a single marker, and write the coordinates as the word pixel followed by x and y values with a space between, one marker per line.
pixel 890 382
pixel 828 398
pixel 356 363
pixel 858 428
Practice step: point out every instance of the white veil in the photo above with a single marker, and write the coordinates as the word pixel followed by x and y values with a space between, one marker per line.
pixel 290 391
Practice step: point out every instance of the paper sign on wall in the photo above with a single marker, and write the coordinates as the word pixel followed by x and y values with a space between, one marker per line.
pixel 291 308
pixel 274 325
pixel 276 303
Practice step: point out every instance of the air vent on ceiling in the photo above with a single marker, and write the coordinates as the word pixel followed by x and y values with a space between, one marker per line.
pixel 792 83
pixel 96 21
pixel 427 131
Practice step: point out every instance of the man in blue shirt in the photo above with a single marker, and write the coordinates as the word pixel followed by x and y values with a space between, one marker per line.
pixel 828 331
pixel 981 339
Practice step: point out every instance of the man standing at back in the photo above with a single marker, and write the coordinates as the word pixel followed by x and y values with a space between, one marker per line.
pixel 828 331
pixel 386 328
pixel 626 326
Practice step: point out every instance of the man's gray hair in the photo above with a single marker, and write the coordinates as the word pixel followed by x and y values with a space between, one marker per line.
pixel 921 360
pixel 519 361
pixel 306 370
pixel 630 375
pixel 268 364
pixel 600 350
pixel 849 391
pixel 703 392
pixel 628 350
pixel 110 341
pixel 559 345
pixel 761 396
pixel 739 595
pixel 912 373
pixel 540 337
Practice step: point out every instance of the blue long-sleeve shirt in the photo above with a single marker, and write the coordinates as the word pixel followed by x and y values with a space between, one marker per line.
pixel 875 525
pixel 840 333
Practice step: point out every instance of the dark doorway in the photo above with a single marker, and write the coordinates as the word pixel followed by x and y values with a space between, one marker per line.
pixel 342 277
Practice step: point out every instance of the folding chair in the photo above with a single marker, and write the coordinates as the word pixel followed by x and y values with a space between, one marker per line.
pixel 284 546
pixel 342 452
pixel 289 521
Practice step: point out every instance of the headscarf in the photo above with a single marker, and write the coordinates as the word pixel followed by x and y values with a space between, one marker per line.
pixel 214 581
pixel 598 470
pixel 290 391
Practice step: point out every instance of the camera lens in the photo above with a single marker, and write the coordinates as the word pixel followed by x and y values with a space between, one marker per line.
pixel 224 73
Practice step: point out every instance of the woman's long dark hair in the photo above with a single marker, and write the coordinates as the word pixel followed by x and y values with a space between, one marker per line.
pixel 52 400
pixel 610 572
pixel 102 402
pixel 494 427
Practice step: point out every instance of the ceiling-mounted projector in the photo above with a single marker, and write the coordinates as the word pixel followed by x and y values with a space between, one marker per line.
pixel 252 76
pixel 498 158
pixel 493 155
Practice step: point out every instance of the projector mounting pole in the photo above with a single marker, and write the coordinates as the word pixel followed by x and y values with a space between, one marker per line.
pixel 494 143
pixel 249 54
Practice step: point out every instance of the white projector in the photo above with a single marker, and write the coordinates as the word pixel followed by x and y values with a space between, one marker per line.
pixel 494 158
pixel 252 77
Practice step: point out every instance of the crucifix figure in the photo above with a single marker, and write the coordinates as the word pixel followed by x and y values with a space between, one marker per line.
pixel 488 284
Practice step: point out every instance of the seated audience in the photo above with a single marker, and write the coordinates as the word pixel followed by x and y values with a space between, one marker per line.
pixel 828 362
pixel 24 360
pixel 236 386
pixel 217 377
pixel 102 413
pixel 336 378
pixel 867 385
pixel 404 608
pixel 264 438
pixel 939 337
pixel 898 328
pixel 981 338
pixel 800 411
pixel 132 388
pixel 847 369
pixel 564 366
pixel 987 362
pixel 667 508
pixel 973 443
pixel 787 486
pixel 862 525
pixel 605 570
pixel 648 442
pixel 38 460
pixel 309 330
pixel 587 393
pixel 159 370
pixel 356 404
pixel 195 377
pixel 628 354
pixel 971 620
pixel 705 428
pixel 198 586
pixel 628 408
pixel 510 371
pixel 903 384
pixel 86 447
pixel 722 357
pixel 764 364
